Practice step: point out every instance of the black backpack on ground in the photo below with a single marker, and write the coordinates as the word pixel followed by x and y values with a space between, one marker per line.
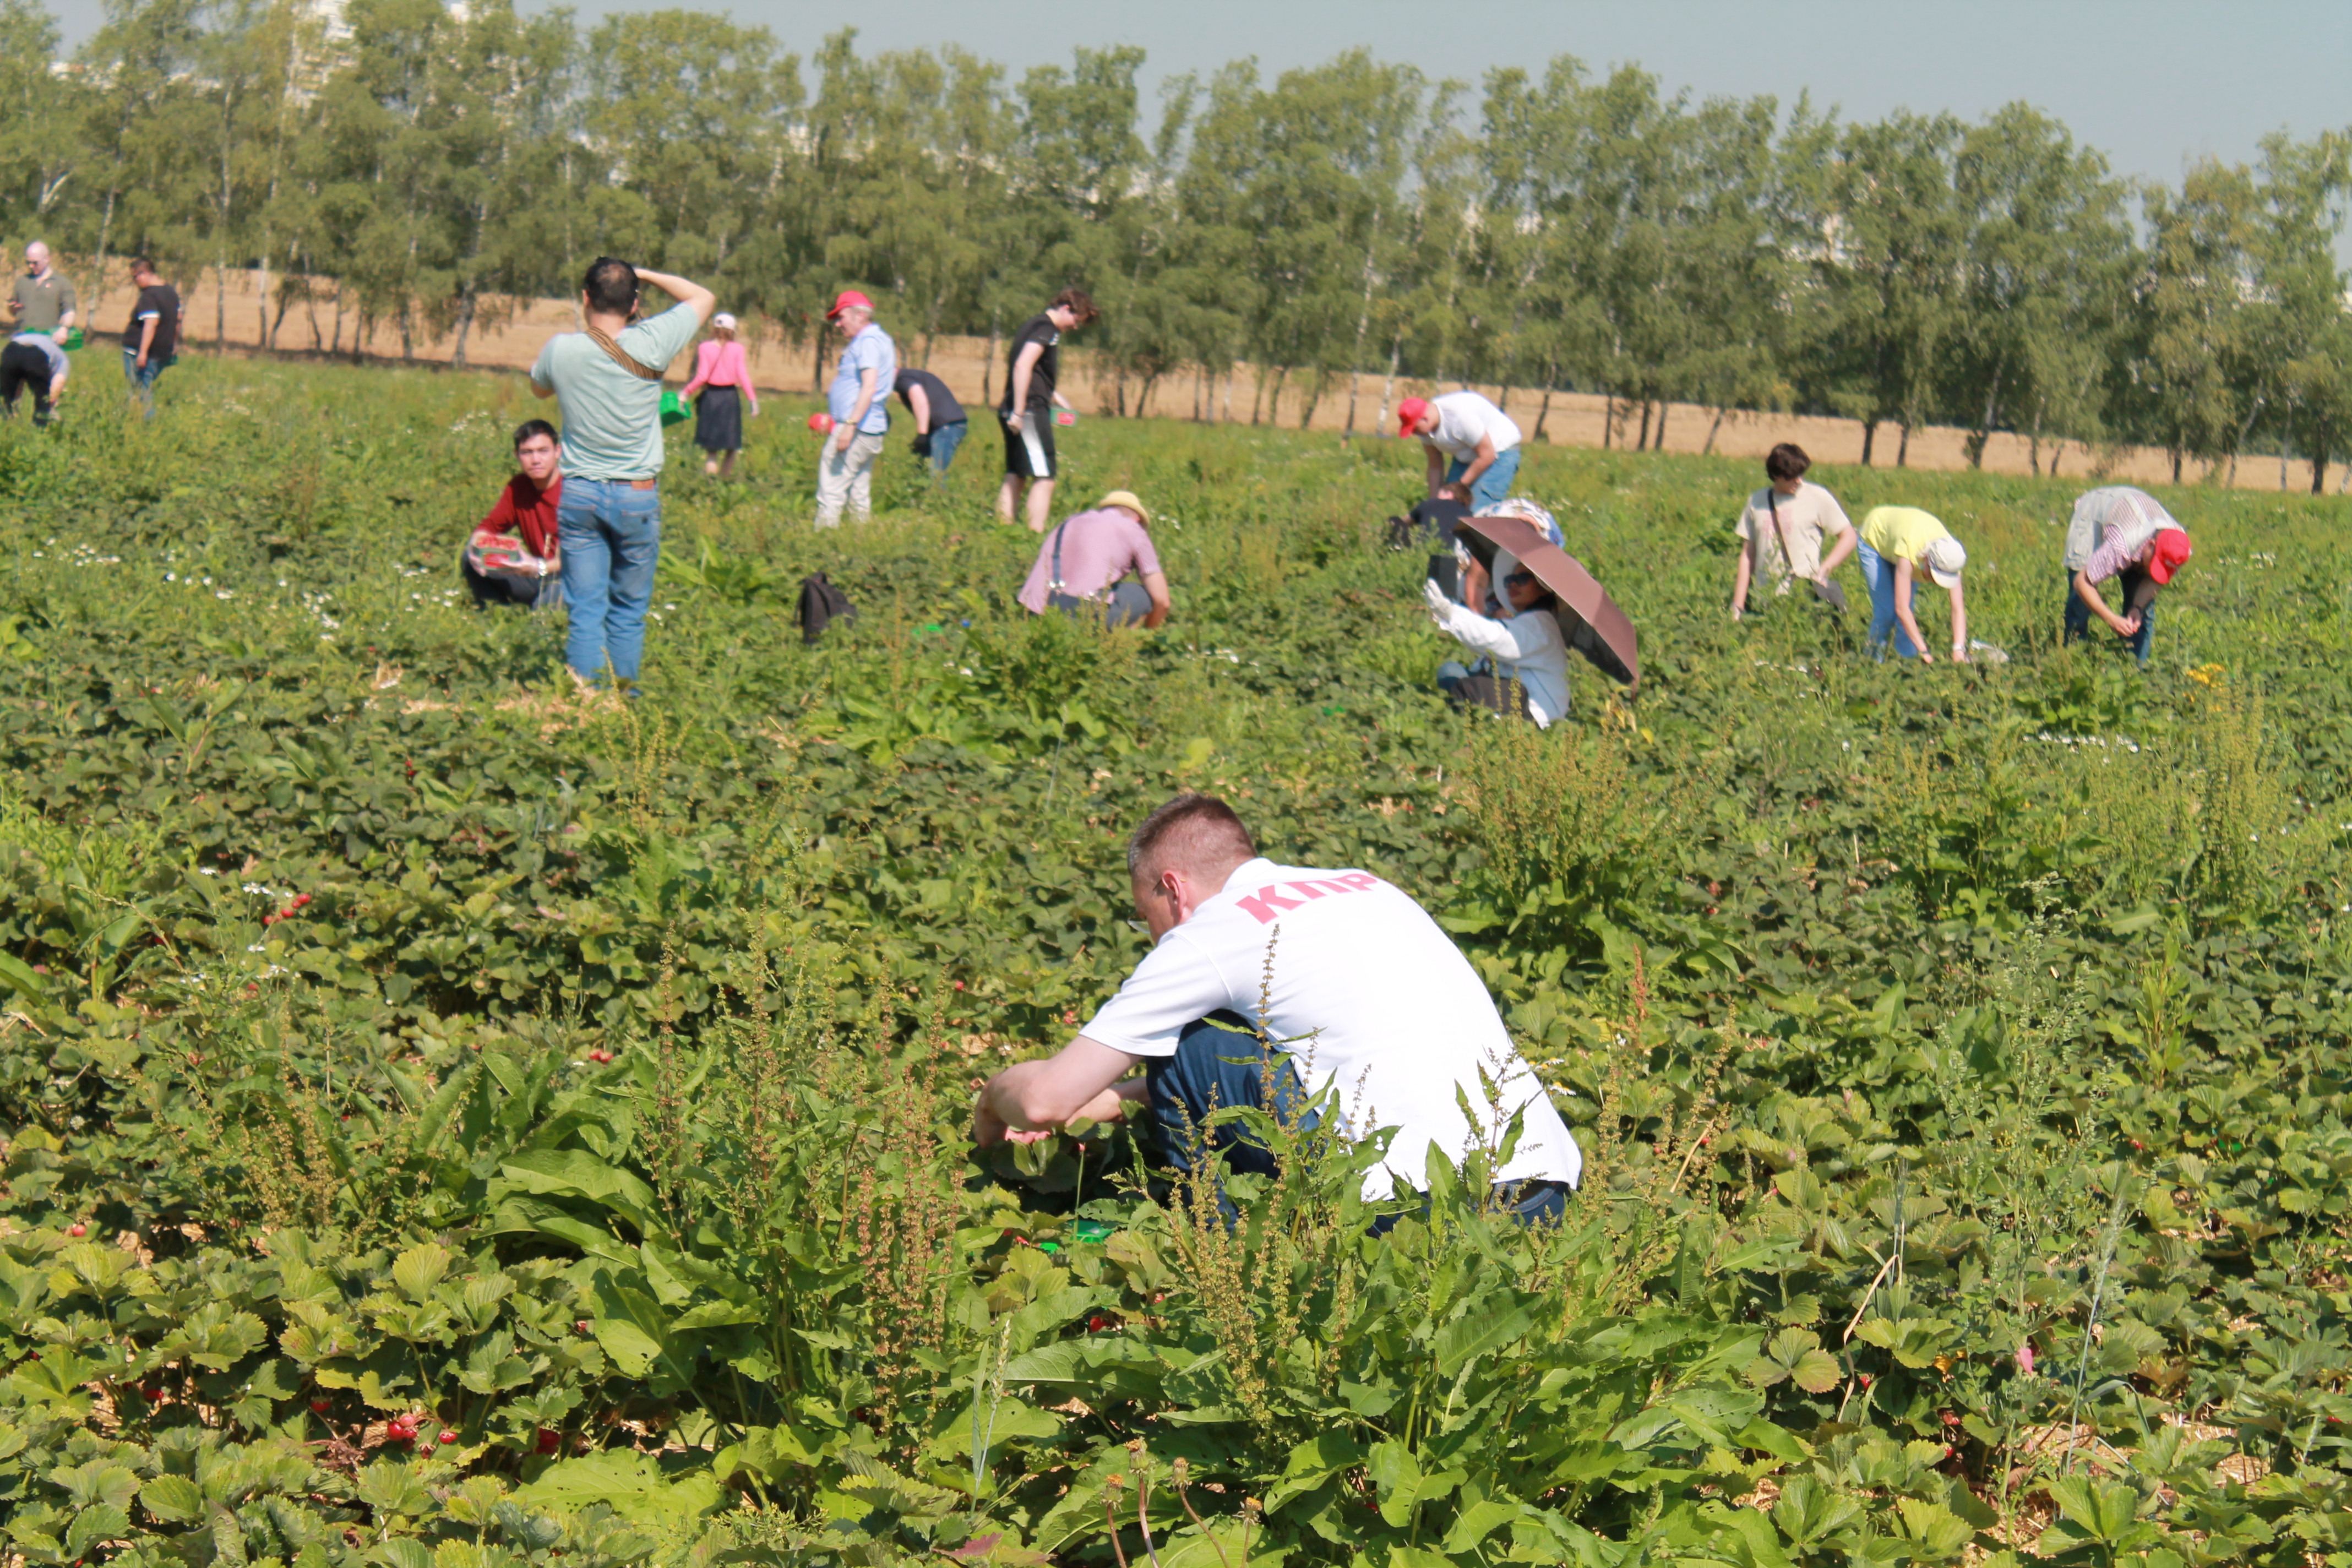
pixel 822 604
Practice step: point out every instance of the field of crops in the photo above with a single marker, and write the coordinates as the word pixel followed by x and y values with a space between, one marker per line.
pixel 452 1124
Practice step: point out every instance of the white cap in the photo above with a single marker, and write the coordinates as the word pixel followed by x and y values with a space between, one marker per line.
pixel 723 320
pixel 1945 556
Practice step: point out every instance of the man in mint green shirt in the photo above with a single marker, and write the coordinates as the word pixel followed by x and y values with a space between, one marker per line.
pixel 607 380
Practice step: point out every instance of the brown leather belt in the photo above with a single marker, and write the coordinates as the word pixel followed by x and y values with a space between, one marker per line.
pixel 641 484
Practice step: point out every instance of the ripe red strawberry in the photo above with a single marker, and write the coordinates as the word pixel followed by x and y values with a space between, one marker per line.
pixel 319 1407
pixel 581 1324
pixel 1097 1323
pixel 76 1228
pixel 447 1435
pixel 549 1440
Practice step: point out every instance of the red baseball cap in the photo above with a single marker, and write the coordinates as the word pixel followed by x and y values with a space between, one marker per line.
pixel 1409 413
pixel 848 297
pixel 2168 555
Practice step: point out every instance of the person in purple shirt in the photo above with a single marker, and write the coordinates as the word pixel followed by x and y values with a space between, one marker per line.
pixel 1083 563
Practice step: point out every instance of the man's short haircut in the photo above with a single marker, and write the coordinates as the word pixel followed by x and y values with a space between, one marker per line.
pixel 142 264
pixel 1455 489
pixel 611 286
pixel 530 427
pixel 1787 461
pixel 1077 302
pixel 1193 830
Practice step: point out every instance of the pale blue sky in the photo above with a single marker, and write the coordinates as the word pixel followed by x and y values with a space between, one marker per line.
pixel 2156 84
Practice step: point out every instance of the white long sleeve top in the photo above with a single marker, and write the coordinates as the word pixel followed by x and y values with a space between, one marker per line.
pixel 1528 647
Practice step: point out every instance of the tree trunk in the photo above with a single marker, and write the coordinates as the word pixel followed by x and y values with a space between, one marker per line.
pixel 2319 472
pixel 1388 387
pixel 988 362
pixel 465 325
pixel 1659 445
pixel 1543 409
pixel 1608 419
pixel 1903 447
pixel 1708 450
pixel 2175 464
pixel 1641 439
pixel 1228 416
pixel 1869 439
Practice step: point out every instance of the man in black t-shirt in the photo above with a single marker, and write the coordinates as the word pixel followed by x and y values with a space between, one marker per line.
pixel 940 421
pixel 1029 398
pixel 152 341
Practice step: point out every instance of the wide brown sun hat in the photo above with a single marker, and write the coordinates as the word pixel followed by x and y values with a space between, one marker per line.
pixel 1589 618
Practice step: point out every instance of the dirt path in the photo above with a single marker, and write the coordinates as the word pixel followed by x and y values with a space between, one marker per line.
pixel 1573 419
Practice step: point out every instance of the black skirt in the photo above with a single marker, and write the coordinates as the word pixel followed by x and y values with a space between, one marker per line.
pixel 719 419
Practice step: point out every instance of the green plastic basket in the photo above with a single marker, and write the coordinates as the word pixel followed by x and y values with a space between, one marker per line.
pixel 674 408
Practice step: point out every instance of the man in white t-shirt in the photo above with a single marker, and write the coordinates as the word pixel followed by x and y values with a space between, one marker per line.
pixel 1356 989
pixel 1783 527
pixel 1481 440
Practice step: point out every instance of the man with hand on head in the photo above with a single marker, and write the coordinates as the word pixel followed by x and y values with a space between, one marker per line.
pixel 607 378
pixel 1482 441
pixel 42 300
pixel 1031 394
pixel 859 403
pixel 2118 531
pixel 152 341
pixel 1362 994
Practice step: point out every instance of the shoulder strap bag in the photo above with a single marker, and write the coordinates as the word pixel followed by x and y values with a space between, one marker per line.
pixel 622 356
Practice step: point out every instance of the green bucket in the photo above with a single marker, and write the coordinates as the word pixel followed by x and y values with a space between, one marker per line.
pixel 674 409
pixel 72 339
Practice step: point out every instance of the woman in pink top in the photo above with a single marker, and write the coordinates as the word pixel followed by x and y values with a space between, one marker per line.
pixel 722 376
pixel 1080 565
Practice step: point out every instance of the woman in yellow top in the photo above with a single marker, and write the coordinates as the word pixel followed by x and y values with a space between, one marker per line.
pixel 1897 543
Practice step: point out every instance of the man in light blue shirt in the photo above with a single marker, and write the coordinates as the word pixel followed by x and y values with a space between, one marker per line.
pixel 861 412
pixel 607 379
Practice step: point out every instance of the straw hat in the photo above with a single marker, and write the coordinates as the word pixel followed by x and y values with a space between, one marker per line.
pixel 1126 499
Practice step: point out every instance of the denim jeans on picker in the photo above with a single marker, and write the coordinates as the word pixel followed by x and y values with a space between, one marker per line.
pixel 611 537
pixel 1493 485
pixel 2078 616
pixel 1879 573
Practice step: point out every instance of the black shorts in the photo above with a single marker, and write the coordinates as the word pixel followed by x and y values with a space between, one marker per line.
pixel 1029 451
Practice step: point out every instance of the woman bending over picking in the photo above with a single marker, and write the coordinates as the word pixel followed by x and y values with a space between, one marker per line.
pixel 1898 544
pixel 1523 645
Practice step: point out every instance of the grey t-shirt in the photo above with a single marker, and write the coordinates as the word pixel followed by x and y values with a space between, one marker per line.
pixel 612 420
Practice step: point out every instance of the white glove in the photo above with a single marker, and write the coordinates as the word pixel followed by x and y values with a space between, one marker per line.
pixel 1439 605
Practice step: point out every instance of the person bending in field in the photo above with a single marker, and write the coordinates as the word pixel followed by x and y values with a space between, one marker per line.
pixel 1432 519
pixel 1360 993
pixel 1480 439
pixel 2120 532
pixel 607 378
pixel 1899 543
pixel 513 557
pixel 1783 527
pixel 34 362
pixel 1101 563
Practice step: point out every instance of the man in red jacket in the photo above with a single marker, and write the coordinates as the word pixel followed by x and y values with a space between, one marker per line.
pixel 511 558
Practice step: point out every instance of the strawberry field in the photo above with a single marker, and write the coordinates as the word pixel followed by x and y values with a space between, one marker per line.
pixel 452 1122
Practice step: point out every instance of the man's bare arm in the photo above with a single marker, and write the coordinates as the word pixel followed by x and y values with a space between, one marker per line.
pixel 683 290
pixel 1082 1078
pixel 1022 363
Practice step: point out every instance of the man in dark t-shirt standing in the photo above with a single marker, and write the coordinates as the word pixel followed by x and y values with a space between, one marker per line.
pixel 939 421
pixel 1029 398
pixel 152 341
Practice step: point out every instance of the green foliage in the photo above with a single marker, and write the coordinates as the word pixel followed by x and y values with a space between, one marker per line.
pixel 1960 1055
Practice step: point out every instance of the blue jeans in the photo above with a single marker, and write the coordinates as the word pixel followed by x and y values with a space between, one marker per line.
pixel 142 382
pixel 1879 573
pixel 1219 1064
pixel 945 440
pixel 2078 618
pixel 1494 484
pixel 611 537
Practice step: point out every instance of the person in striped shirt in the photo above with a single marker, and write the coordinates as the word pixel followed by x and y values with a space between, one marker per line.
pixel 2120 532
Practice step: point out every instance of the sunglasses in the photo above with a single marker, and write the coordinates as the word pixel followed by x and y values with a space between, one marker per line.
pixel 1516 578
